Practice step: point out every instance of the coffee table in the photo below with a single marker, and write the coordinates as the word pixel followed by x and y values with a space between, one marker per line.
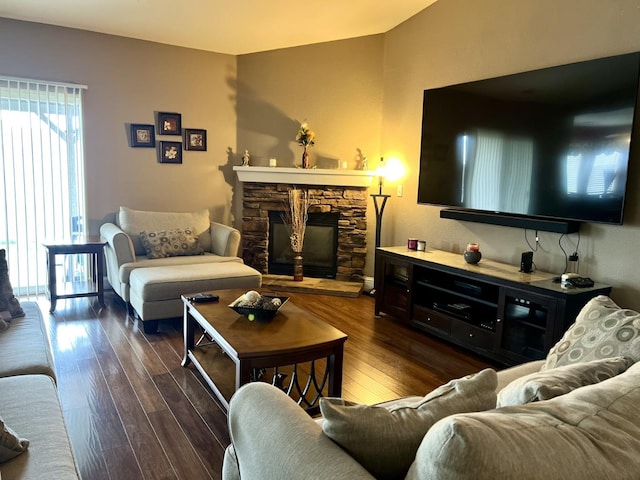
pixel 296 351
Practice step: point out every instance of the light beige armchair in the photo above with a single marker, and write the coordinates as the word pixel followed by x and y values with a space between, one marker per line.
pixel 152 286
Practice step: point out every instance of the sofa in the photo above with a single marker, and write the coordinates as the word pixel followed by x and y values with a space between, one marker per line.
pixel 152 258
pixel 572 415
pixel 29 404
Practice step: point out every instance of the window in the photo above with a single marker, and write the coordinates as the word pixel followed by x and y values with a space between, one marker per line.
pixel 42 179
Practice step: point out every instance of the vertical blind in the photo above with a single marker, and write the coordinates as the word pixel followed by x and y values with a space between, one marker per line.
pixel 42 176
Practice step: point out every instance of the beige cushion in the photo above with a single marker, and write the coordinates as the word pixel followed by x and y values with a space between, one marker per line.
pixel 11 445
pixel 25 347
pixel 30 405
pixel 601 330
pixel 132 222
pixel 590 433
pixel 554 382
pixel 175 242
pixel 385 440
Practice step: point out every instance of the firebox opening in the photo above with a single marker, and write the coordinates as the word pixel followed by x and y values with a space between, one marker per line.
pixel 319 251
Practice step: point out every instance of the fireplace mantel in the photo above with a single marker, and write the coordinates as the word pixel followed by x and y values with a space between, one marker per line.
pixel 311 176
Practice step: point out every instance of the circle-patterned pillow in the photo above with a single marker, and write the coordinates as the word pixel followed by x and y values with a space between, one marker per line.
pixel 171 243
pixel 602 330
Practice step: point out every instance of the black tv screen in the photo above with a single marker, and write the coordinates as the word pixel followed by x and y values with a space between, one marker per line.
pixel 551 143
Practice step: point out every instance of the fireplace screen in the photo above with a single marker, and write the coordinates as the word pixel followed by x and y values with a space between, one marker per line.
pixel 319 251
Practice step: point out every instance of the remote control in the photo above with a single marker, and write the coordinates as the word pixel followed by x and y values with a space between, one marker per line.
pixel 203 297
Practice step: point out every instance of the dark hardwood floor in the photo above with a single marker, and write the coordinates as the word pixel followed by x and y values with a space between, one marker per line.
pixel 134 413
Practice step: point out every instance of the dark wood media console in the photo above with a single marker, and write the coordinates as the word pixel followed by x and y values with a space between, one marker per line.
pixel 490 308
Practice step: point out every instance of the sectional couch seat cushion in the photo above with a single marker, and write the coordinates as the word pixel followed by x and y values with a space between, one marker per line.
pixel 29 405
pixel 592 432
pixel 24 346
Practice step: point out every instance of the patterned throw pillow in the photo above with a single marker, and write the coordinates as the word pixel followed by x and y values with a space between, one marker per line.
pixel 10 444
pixel 602 330
pixel 385 440
pixel 171 243
pixel 547 384
pixel 8 302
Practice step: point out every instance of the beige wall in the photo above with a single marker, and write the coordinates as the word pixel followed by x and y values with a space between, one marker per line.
pixel 128 80
pixel 362 93
pixel 455 41
pixel 336 87
pixel 450 42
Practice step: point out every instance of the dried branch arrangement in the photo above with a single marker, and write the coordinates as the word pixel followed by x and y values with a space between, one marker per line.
pixel 296 217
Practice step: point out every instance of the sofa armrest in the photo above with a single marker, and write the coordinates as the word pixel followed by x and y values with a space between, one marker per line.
pixel 118 251
pixel 225 240
pixel 275 438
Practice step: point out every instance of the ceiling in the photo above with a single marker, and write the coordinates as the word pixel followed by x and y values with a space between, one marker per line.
pixel 233 27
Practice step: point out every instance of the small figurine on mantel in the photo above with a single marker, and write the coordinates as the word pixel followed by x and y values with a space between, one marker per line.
pixel 245 158
pixel 361 161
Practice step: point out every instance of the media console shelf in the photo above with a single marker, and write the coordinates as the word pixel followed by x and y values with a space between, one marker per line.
pixel 490 308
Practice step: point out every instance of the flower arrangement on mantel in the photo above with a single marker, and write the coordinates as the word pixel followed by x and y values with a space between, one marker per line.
pixel 296 220
pixel 305 138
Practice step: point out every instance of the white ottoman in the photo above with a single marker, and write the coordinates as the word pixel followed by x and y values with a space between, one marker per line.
pixel 155 291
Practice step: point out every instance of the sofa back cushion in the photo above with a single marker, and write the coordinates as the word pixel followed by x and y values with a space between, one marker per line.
pixel 384 440
pixel 135 221
pixel 591 433
pixel 553 382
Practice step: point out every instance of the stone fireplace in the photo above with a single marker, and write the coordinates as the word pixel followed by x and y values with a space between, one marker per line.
pixel 332 193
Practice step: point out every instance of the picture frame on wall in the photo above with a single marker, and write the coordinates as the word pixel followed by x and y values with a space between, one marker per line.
pixel 169 152
pixel 142 135
pixel 169 123
pixel 195 139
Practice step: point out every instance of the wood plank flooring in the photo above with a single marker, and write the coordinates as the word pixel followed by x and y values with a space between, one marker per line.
pixel 134 413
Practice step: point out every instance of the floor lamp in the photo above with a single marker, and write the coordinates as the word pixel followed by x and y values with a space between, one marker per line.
pixel 379 202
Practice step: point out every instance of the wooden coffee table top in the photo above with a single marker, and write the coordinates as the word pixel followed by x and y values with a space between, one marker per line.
pixel 291 330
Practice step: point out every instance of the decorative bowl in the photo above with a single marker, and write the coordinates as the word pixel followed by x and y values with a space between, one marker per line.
pixel 260 314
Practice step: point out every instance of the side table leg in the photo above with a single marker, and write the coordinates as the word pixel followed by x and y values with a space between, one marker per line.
pixel 189 330
pixel 100 279
pixel 51 267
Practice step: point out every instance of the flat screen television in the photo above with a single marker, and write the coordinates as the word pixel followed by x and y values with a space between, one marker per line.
pixel 546 144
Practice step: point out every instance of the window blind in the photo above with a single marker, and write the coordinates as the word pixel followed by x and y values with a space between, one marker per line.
pixel 42 176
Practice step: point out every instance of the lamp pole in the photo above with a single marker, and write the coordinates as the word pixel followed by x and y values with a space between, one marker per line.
pixel 379 202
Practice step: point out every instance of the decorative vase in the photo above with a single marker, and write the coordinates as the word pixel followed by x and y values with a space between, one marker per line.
pixel 305 158
pixel 472 257
pixel 297 267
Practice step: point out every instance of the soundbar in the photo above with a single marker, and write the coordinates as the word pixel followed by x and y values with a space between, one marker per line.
pixel 531 223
